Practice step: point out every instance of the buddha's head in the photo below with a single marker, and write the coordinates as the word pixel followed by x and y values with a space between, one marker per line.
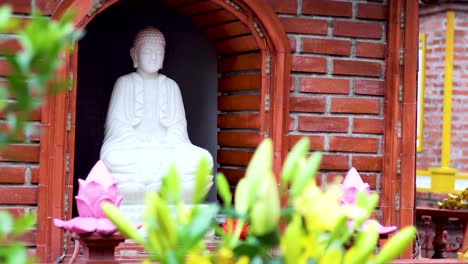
pixel 148 50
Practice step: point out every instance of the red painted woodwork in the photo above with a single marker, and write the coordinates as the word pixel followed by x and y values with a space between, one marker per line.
pixel 400 145
pixel 55 182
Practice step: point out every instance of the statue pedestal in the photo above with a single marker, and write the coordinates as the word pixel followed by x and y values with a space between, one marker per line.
pixel 100 248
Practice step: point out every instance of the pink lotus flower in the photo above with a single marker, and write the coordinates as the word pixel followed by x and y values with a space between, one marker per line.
pixel 98 187
pixel 351 186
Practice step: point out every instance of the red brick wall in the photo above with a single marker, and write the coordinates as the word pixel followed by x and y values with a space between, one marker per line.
pixel 459 142
pixel 337 94
pixel 19 162
pixel 434 26
pixel 336 97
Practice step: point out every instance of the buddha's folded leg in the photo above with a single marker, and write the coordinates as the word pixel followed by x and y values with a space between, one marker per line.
pixel 186 158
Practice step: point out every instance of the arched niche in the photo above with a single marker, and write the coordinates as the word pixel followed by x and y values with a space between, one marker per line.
pixel 103 56
pixel 253 68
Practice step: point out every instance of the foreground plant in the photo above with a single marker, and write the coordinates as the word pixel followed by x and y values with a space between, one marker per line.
pixel 319 228
pixel 11 250
pixel 29 80
pixel 32 69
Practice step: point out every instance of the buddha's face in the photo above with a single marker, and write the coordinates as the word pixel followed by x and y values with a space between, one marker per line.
pixel 149 56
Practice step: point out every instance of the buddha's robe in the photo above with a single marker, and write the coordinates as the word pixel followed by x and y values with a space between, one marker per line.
pixel 146 131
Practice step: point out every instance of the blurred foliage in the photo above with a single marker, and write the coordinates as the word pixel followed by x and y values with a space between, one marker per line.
pixel 29 80
pixel 317 227
pixel 12 251
pixel 31 70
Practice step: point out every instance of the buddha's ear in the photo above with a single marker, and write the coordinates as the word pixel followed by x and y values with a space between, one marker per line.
pixel 133 54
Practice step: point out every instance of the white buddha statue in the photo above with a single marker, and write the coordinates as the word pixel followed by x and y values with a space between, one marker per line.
pixel 146 129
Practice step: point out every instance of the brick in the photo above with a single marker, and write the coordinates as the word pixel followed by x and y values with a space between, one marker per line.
pixel 15 211
pixel 369 178
pixel 368 125
pixel 309 64
pixel 234 28
pixel 19 6
pixel 369 87
pixel 355 29
pixel 327 8
pixel 239 102
pixel 316 142
pixel 34 115
pixel 10 195
pixel 422 195
pixel 355 105
pixel 238 139
pixel 367 163
pixel 304 25
pixel 371 11
pixel 357 68
pixel 354 144
pixel 236 45
pixel 12 174
pixel 370 50
pixel 4 68
pixel 233 176
pixel 323 124
pixel 326 46
pixel 20 152
pixel 307 104
pixel 334 162
pixel 292 44
pixel 47 6
pixel 239 82
pixel 324 85
pixel 213 18
pixel 292 122
pixel 234 157
pixel 198 7
pixel 35 174
pixel 9 46
pixel 240 63
pixel 285 7
pixel 240 120
pixel 437 196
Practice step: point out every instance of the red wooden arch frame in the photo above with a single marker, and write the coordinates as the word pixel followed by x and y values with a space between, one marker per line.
pixel 55 184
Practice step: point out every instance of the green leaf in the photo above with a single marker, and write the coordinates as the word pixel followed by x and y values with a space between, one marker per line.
pixel 259 167
pixel 170 186
pixel 124 225
pixel 247 249
pixel 17 254
pixel 241 202
pixel 198 227
pixel 290 165
pixel 396 245
pixel 365 243
pixel 291 244
pixel 6 224
pixel 202 177
pixel 367 201
pixel 24 223
pixel 306 173
pixel 265 213
pixel 222 186
pixel 270 239
pixel 333 254
pixel 165 223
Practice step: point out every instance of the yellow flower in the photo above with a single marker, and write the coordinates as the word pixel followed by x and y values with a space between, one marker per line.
pixel 243 260
pixel 194 258
pixel 225 256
